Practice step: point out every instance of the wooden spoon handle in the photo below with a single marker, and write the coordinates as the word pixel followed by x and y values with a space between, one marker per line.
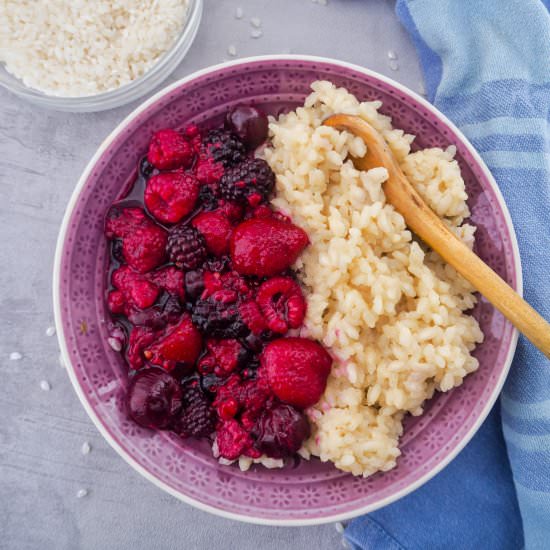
pixel 431 229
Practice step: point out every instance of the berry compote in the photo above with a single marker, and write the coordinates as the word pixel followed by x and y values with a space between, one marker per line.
pixel 202 294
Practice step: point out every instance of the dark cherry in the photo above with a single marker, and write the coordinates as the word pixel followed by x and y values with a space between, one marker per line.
pixel 154 398
pixel 248 123
pixel 157 317
pixel 280 431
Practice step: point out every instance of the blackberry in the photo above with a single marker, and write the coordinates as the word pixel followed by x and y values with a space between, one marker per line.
pixel 207 198
pixel 198 418
pixel 218 319
pixel 252 181
pixel 224 147
pixel 186 247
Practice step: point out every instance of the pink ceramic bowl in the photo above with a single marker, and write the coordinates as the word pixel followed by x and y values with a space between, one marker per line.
pixel 307 492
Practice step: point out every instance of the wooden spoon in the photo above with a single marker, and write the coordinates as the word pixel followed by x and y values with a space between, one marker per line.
pixel 430 228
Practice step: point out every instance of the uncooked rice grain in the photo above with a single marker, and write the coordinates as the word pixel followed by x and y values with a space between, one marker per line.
pixel 84 47
pixel 390 311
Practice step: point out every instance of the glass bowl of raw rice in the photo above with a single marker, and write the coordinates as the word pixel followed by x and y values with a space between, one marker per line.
pixel 93 56
pixel 418 357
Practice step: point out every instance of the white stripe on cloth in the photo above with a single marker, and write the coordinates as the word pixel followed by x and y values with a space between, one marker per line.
pixel 517 159
pixel 506 126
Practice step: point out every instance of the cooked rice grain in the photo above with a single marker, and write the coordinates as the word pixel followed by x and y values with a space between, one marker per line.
pixel 390 310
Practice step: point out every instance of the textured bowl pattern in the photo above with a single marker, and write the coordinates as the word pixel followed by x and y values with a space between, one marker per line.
pixel 305 492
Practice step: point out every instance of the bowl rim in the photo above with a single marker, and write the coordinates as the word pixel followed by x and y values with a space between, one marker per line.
pixel 63 344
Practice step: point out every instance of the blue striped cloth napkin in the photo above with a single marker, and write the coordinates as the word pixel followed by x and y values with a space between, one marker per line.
pixel 486 65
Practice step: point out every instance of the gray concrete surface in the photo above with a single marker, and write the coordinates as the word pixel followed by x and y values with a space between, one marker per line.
pixel 41 432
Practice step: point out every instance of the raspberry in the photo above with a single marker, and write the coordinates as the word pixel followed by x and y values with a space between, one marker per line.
pixel 140 338
pixel 117 302
pixel 216 230
pixel 232 211
pixel 296 369
pixel 212 282
pixel 207 170
pixel 218 318
pixel 252 181
pixel 182 344
pixel 282 304
pixel 228 409
pixel 224 147
pixel 169 149
pixel 170 196
pixel 231 389
pixel 251 396
pixel 134 288
pixel 262 211
pixel 252 317
pixel 169 279
pixel 280 431
pixel 154 398
pixel 197 418
pixel 143 241
pixel 186 247
pixel 145 249
pixel 192 132
pixel 121 221
pixel 142 290
pixel 233 440
pixel 222 358
pixel 255 398
pixel 266 247
pixel 230 281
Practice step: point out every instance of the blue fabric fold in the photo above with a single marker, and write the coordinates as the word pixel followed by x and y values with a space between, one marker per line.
pixel 470 505
pixel 486 65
